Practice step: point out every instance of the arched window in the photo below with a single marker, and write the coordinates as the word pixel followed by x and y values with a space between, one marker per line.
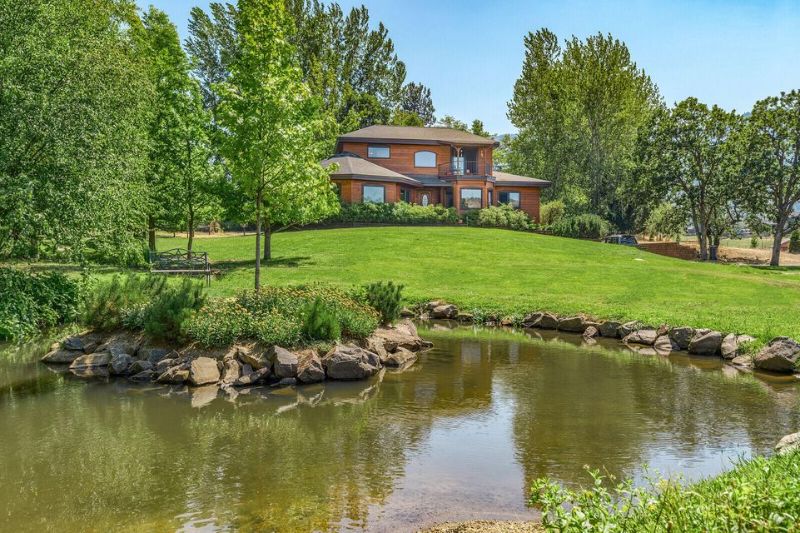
pixel 425 159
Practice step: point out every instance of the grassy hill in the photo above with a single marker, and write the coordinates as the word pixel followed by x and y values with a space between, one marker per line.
pixel 519 272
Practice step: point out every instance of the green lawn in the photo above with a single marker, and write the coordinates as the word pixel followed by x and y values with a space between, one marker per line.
pixel 519 272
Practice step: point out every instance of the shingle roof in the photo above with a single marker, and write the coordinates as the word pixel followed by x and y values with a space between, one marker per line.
pixel 408 134
pixel 352 166
pixel 504 178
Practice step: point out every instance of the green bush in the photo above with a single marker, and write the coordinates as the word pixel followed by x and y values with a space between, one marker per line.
pixel 582 227
pixel 757 495
pixel 666 220
pixel 279 315
pixel 166 314
pixel 385 299
pixel 120 301
pixel 34 301
pixel 320 323
pixel 394 213
pixel 552 212
pixel 794 242
pixel 502 216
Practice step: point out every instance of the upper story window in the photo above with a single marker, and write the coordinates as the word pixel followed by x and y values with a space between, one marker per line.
pixel 509 198
pixel 425 159
pixel 378 152
pixel 373 193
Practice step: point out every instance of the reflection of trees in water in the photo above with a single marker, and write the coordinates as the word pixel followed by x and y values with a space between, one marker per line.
pixel 608 410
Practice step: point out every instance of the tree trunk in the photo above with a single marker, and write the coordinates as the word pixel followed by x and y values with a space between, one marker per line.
pixel 258 241
pixel 190 223
pixel 267 241
pixel 702 239
pixel 151 233
pixel 776 245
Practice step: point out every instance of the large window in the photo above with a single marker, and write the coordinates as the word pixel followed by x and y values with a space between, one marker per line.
pixel 425 159
pixel 509 198
pixel 378 152
pixel 374 193
pixel 471 198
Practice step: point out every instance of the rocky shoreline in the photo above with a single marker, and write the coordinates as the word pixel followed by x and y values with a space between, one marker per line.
pixel 780 355
pixel 138 358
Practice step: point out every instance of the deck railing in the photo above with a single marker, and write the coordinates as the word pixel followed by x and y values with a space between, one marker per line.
pixel 464 168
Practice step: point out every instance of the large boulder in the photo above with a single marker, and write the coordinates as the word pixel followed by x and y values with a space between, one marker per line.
pixel 464 317
pixel 91 360
pixel 350 362
pixel 174 375
pixel 140 365
pixel 253 355
pixel 122 342
pixel 780 355
pixel 164 364
pixel 430 306
pixel 400 358
pixel 682 336
pixel 232 370
pixel 591 332
pixel 732 343
pixel 705 342
pixel 572 324
pixel 310 369
pixel 284 362
pixel 628 327
pixel 532 320
pixel 61 356
pixel 548 321
pixel 444 311
pixel 144 376
pixel 250 376
pixel 153 352
pixel 646 337
pixel 84 342
pixel 203 370
pixel 120 364
pixel 402 335
pixel 609 328
pixel 664 345
pixel 788 444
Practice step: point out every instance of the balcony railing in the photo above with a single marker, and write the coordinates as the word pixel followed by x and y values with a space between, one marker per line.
pixel 464 168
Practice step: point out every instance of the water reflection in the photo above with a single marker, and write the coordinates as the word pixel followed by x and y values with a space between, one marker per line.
pixel 459 435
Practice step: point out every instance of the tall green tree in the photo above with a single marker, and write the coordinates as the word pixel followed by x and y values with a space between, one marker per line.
pixel 449 121
pixel 691 153
pixel 416 98
pixel 772 165
pixel 579 109
pixel 271 121
pixel 73 99
pixel 478 128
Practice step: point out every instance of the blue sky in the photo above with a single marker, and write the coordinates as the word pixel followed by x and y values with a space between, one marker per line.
pixel 730 52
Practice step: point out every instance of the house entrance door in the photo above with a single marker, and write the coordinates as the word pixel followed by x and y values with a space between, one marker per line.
pixel 448 197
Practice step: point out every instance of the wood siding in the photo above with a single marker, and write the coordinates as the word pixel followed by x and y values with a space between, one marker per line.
pixel 528 198
pixel 401 156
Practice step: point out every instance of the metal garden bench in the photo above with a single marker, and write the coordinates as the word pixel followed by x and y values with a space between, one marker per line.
pixel 180 261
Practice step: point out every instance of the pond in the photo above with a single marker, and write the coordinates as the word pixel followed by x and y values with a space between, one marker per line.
pixel 460 435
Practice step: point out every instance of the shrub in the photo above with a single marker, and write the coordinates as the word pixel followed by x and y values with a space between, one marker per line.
pixel 120 301
pixel 794 242
pixel 552 212
pixel 34 301
pixel 757 495
pixel 503 216
pixel 394 213
pixel 582 227
pixel 280 315
pixel 320 323
pixel 754 241
pixel 166 314
pixel 385 299
pixel 666 220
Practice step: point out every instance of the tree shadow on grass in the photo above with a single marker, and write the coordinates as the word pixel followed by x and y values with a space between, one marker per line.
pixel 278 262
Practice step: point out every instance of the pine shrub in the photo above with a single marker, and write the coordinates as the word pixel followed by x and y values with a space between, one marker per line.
pixel 320 323
pixel 385 299
pixel 582 227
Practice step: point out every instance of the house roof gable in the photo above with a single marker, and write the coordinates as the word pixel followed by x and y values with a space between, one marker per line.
pixel 416 135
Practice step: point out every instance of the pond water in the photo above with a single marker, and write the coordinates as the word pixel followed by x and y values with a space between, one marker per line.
pixel 460 435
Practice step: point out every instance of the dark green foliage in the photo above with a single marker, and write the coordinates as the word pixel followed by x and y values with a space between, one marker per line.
pixel 32 301
pixel 794 242
pixel 320 323
pixel 118 301
pixel 552 212
pixel 396 213
pixel 757 495
pixel 582 227
pixel 166 314
pixel 281 315
pixel 384 298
